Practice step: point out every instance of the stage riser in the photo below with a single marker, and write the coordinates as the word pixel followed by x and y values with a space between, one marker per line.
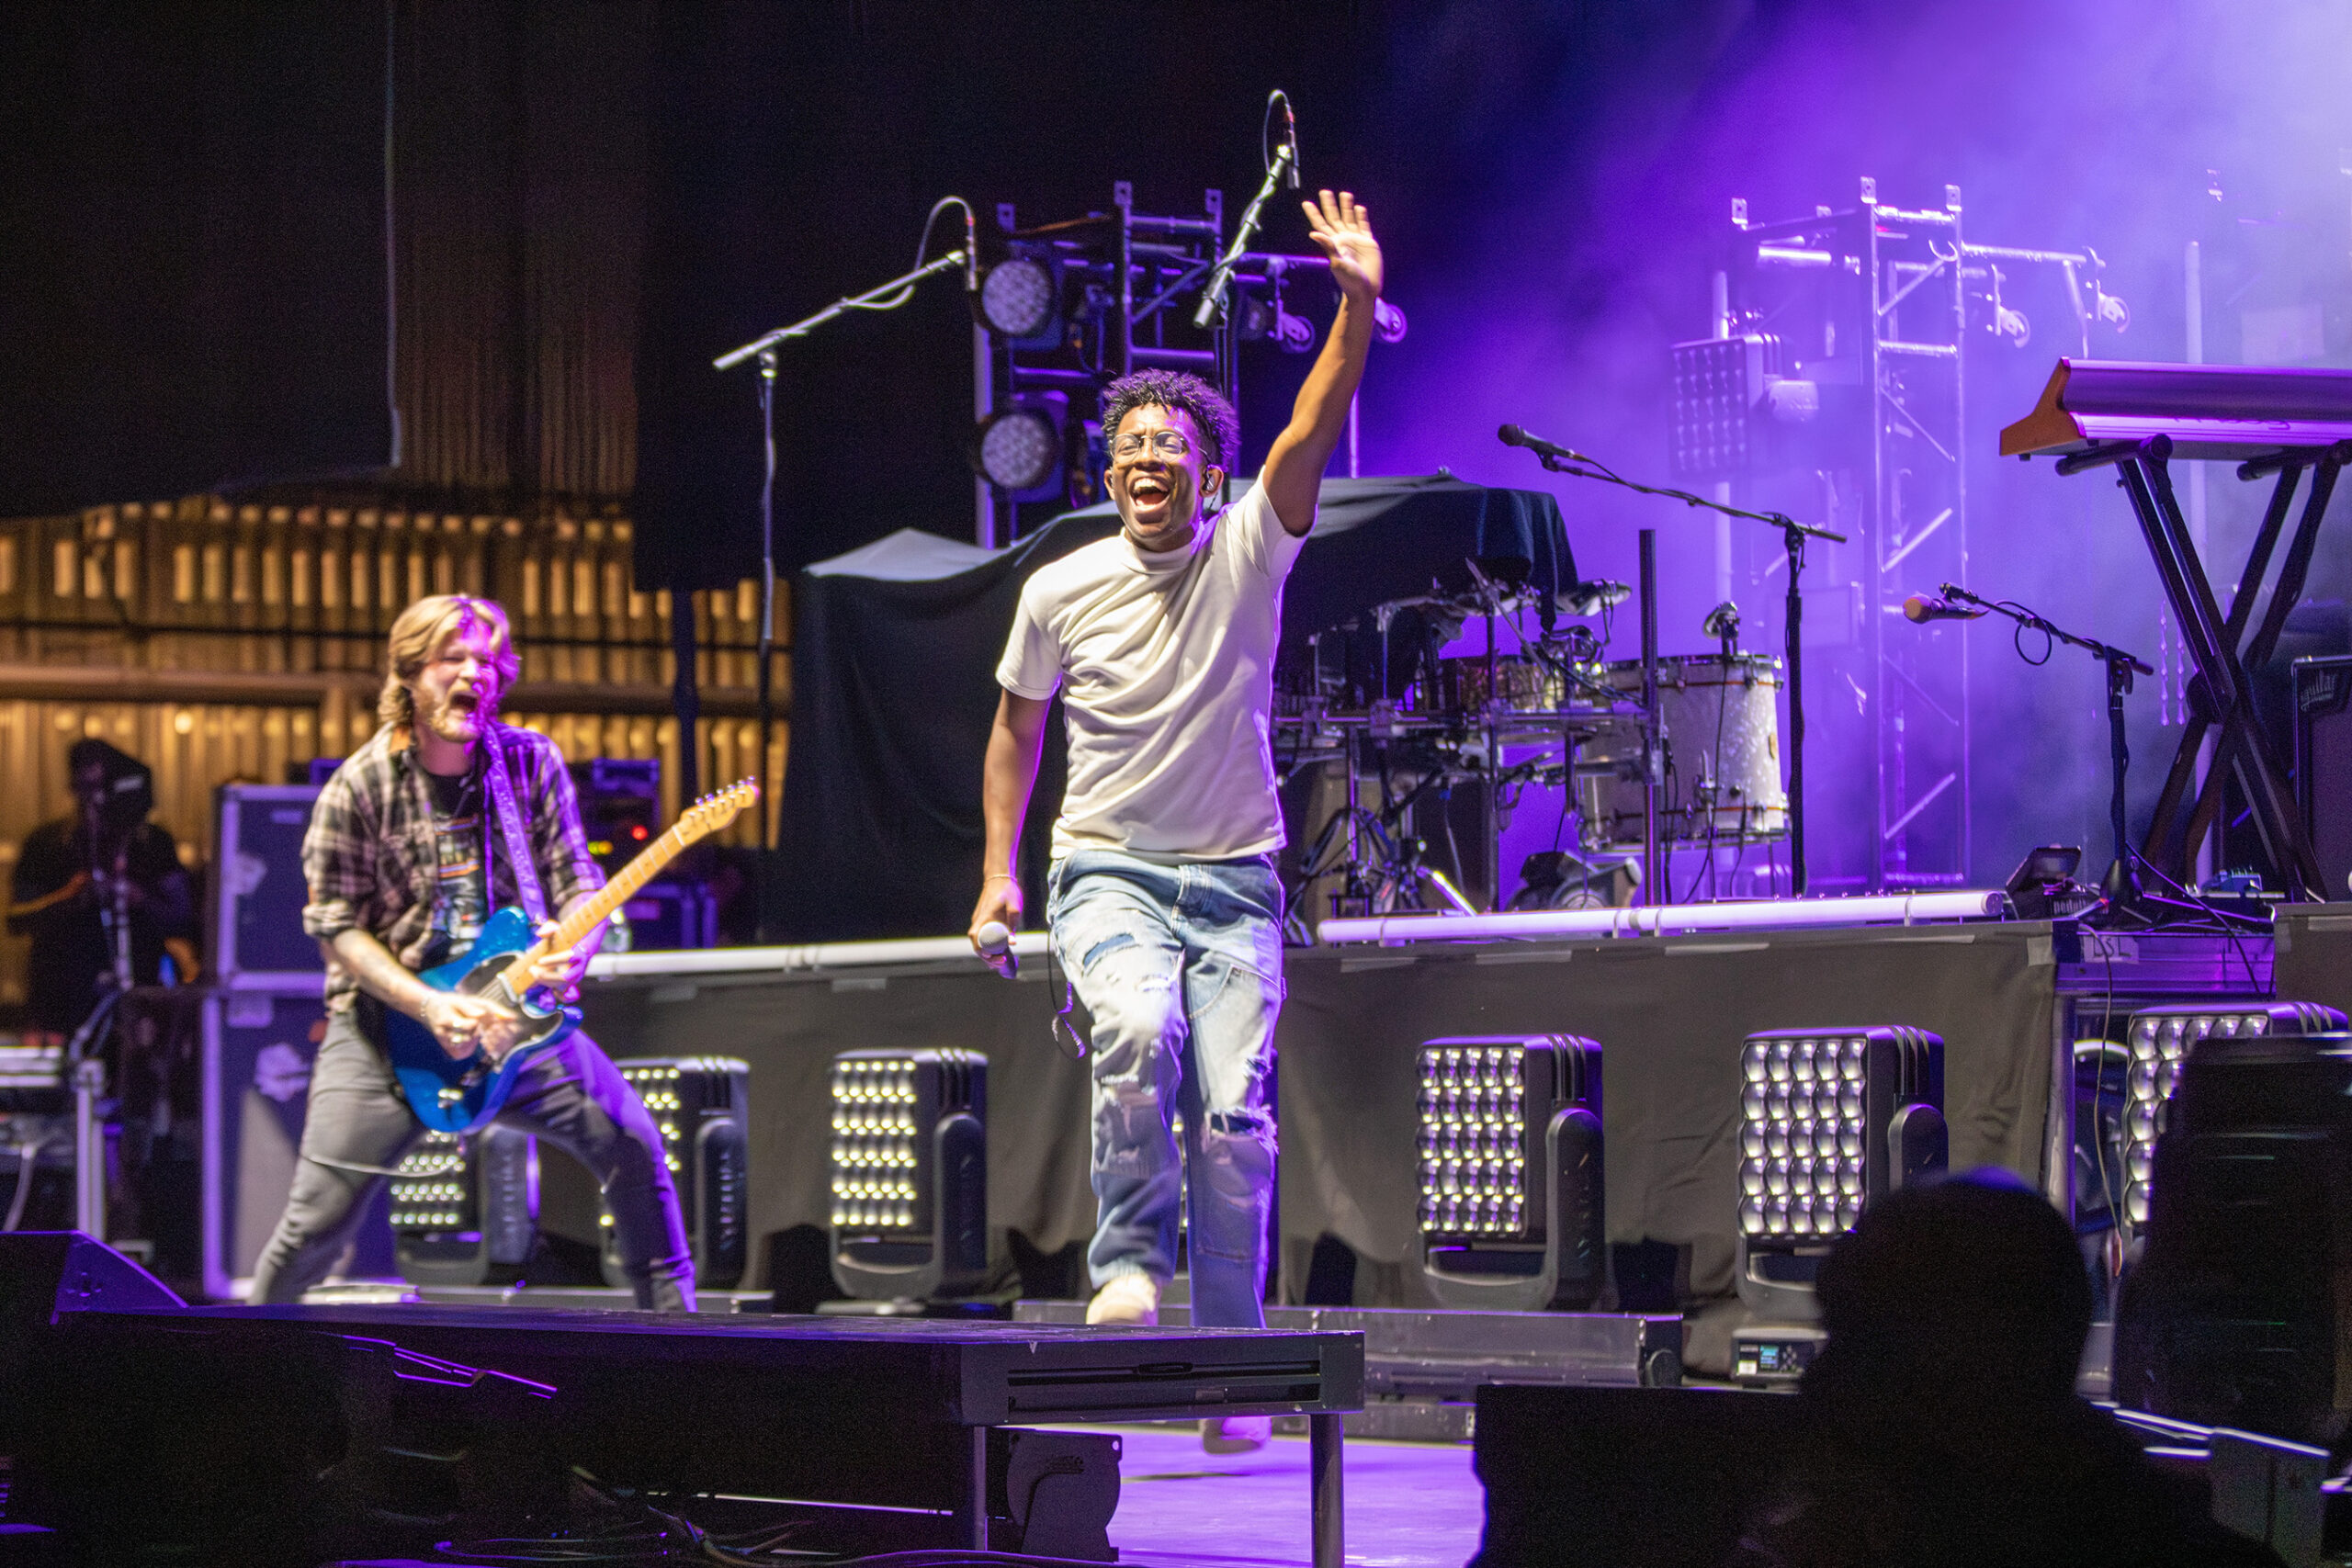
pixel 1415 1360
pixel 1671 1012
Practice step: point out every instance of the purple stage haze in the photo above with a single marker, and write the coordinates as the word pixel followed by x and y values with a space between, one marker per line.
pixel 2132 130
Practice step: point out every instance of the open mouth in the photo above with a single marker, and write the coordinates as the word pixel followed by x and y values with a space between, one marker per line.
pixel 1148 491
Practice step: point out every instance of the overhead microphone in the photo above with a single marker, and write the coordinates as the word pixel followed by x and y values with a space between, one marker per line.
pixel 1921 608
pixel 971 252
pixel 1290 133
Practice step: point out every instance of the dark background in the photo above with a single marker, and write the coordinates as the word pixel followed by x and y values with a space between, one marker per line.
pixel 591 199
pixel 192 265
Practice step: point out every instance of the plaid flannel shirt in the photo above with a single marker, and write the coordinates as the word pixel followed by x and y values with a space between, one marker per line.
pixel 371 860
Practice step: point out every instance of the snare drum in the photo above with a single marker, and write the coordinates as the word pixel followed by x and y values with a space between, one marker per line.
pixel 1521 684
pixel 1720 730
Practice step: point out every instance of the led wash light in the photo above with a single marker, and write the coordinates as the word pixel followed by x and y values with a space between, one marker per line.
pixel 1510 1145
pixel 2158 1041
pixel 466 1208
pixel 1831 1120
pixel 910 1172
pixel 701 1106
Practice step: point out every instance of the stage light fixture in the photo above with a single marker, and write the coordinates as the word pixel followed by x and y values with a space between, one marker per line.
pixel 2233 1312
pixel 1509 1159
pixel 1019 299
pixel 1020 448
pixel 702 1105
pixel 909 1173
pixel 2158 1041
pixel 1830 1121
pixel 466 1207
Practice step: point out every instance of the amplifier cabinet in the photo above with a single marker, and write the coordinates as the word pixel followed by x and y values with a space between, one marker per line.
pixel 255 918
pixel 2323 764
pixel 258 1050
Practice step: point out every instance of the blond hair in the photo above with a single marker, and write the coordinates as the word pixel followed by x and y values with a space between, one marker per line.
pixel 419 633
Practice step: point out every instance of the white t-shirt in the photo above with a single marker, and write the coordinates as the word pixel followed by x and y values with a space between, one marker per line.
pixel 1169 662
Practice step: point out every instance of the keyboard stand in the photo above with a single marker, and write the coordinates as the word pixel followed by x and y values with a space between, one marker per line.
pixel 2220 694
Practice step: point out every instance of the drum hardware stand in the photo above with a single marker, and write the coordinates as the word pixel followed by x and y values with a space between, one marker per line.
pixel 1793 534
pixel 1653 759
pixel 2220 692
pixel 2122 884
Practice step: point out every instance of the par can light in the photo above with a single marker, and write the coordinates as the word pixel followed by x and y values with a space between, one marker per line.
pixel 1018 450
pixel 1018 297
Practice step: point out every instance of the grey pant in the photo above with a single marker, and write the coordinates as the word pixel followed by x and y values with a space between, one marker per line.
pixel 357 1127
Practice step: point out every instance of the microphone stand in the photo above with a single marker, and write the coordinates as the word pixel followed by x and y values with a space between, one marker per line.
pixel 1213 292
pixel 2122 884
pixel 763 348
pixel 1793 535
pixel 84 1061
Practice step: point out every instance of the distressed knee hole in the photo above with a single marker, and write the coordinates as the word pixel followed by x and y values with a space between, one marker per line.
pixel 1102 949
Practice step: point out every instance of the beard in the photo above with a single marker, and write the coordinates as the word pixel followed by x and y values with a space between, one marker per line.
pixel 460 716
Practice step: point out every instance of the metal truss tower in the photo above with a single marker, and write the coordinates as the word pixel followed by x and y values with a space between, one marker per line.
pixel 1861 320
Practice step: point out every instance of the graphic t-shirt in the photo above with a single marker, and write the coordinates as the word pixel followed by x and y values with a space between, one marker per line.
pixel 461 898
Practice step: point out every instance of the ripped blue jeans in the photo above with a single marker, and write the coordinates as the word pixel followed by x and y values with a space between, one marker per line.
pixel 1180 967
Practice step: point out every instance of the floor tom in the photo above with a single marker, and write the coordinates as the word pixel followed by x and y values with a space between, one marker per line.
pixel 1720 730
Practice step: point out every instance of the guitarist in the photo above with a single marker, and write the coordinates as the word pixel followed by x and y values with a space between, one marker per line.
pixel 405 859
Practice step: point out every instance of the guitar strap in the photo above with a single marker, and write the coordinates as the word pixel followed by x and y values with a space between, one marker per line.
pixel 510 823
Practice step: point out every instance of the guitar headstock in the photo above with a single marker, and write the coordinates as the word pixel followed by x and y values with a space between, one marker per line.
pixel 716 810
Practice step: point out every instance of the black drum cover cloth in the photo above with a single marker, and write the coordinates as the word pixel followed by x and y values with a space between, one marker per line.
pixel 894 686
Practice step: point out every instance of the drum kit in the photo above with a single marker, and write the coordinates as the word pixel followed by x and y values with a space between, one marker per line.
pixel 1551 712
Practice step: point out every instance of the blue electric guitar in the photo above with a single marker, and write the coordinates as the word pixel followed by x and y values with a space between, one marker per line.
pixel 458 1094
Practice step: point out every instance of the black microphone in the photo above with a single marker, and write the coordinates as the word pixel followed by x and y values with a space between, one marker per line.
pixel 1512 436
pixel 1921 608
pixel 972 253
pixel 1290 133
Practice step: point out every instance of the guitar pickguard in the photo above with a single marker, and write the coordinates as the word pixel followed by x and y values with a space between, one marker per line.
pixel 452 1094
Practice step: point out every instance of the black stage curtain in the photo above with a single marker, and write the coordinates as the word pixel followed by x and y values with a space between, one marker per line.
pixel 1669 1013
pixel 192 273
pixel 894 686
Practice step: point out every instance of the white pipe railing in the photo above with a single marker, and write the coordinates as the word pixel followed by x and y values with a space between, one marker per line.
pixel 800 959
pixel 1762 914
pixel 1905 908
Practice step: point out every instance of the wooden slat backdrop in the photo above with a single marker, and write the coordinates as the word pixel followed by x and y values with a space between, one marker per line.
pixel 222 643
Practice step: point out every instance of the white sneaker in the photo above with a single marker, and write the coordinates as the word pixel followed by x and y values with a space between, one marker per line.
pixel 1236 1434
pixel 1129 1298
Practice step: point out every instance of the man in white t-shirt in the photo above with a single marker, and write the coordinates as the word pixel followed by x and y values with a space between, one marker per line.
pixel 1163 901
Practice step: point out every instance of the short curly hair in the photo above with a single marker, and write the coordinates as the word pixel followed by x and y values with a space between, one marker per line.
pixel 1173 389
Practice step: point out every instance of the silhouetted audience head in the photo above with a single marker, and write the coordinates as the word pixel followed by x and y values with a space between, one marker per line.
pixel 1942 1424
pixel 1962 1298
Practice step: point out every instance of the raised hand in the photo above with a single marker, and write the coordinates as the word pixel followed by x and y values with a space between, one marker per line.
pixel 1344 230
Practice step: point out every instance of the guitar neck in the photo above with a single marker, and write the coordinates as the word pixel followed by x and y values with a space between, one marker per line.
pixel 572 928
